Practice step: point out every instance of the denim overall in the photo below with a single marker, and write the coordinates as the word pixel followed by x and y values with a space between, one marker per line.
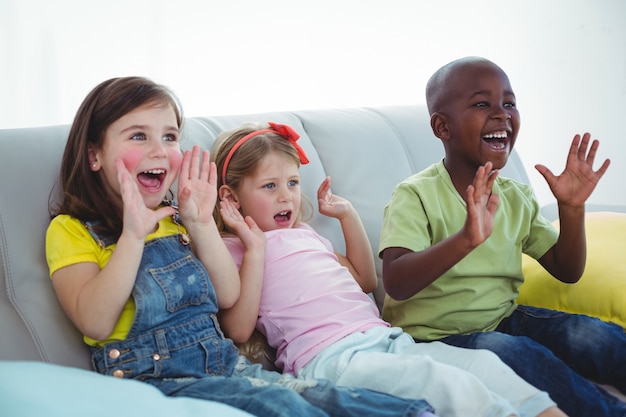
pixel 175 343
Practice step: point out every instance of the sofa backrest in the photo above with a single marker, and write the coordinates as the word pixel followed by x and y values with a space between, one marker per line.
pixel 366 151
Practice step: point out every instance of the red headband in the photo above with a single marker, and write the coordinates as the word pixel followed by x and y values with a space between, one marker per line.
pixel 285 131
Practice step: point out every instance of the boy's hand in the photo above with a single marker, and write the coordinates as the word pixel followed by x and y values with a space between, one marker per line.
pixel 329 204
pixel 197 187
pixel 246 229
pixel 578 179
pixel 481 205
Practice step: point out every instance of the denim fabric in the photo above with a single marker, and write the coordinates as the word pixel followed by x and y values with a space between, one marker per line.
pixel 559 353
pixel 175 343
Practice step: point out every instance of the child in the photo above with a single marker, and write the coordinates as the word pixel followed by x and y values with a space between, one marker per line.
pixel 453 236
pixel 144 289
pixel 315 312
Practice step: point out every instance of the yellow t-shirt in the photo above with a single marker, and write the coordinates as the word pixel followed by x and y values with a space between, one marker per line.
pixel 68 242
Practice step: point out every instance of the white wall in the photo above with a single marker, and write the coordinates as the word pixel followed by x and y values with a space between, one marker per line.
pixel 566 60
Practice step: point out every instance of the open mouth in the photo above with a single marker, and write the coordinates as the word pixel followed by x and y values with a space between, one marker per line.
pixel 151 179
pixel 283 216
pixel 496 140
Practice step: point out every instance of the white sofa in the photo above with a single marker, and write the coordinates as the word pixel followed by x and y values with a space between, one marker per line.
pixel 43 362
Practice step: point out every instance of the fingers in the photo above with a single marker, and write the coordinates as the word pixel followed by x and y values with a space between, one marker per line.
pixel 163 212
pixel 251 223
pixel 196 164
pixel 484 179
pixel 122 172
pixel 324 189
pixel 585 150
pixel 591 157
pixel 603 167
pixel 579 146
pixel 127 186
pixel 481 188
pixel 196 168
pixel 229 212
pixel 545 172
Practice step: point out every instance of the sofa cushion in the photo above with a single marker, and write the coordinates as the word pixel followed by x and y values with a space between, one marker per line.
pixel 600 291
pixel 35 389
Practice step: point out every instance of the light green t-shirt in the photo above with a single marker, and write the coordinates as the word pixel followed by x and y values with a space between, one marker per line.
pixel 480 290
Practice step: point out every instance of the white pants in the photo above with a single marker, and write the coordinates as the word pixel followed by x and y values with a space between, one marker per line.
pixel 457 382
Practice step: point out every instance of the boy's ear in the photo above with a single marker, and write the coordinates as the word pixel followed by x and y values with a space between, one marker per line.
pixel 439 125
pixel 227 193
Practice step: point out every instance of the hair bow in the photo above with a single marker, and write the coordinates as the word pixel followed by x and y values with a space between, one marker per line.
pixel 292 136
pixel 283 130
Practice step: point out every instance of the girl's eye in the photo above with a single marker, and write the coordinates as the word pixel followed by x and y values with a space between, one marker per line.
pixel 481 104
pixel 170 138
pixel 138 136
pixel 293 183
pixel 509 104
pixel 270 186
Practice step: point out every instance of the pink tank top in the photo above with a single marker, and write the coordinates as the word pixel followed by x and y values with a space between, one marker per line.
pixel 309 300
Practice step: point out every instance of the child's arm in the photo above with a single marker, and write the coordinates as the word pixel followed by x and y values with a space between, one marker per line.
pixel 405 272
pixel 239 321
pixel 93 298
pixel 359 258
pixel 566 259
pixel 197 194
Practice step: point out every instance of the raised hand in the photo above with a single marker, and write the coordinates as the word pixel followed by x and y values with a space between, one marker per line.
pixel 139 220
pixel 329 204
pixel 197 187
pixel 245 228
pixel 481 205
pixel 578 180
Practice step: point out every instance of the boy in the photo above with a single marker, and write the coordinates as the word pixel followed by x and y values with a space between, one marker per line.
pixel 453 236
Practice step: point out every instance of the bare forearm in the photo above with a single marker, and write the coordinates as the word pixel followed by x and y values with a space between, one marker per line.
pixel 239 321
pixel 405 273
pixel 94 299
pixel 359 251
pixel 570 251
pixel 210 249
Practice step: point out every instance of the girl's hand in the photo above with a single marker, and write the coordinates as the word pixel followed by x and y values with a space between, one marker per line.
pixel 578 179
pixel 329 204
pixel 481 205
pixel 197 187
pixel 246 229
pixel 139 220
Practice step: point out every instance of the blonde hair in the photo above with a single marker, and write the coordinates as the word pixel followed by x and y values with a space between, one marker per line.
pixel 245 161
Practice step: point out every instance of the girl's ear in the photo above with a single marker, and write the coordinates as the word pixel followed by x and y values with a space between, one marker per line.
pixel 228 194
pixel 439 125
pixel 93 159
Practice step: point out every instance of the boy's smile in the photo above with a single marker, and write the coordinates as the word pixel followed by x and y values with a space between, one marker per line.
pixel 481 118
pixel 497 140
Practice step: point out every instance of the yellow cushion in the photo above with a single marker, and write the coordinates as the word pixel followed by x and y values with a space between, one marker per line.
pixel 601 292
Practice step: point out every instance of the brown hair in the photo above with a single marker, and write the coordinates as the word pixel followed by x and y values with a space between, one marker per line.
pixel 246 159
pixel 83 193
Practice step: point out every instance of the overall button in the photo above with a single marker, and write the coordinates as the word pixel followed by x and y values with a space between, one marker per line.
pixel 118 373
pixel 114 353
pixel 156 357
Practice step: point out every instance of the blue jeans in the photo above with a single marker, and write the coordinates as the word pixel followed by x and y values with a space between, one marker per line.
pixel 292 398
pixel 560 353
pixel 175 344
